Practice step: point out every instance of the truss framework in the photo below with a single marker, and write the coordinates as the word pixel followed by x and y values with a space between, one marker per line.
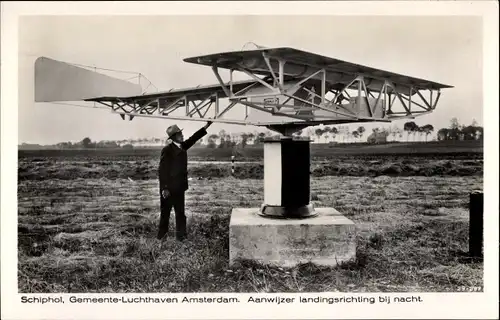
pixel 310 100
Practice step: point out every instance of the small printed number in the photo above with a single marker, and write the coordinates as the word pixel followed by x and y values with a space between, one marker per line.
pixel 470 289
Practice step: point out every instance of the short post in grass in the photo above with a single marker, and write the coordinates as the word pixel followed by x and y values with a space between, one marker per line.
pixel 232 166
pixel 476 224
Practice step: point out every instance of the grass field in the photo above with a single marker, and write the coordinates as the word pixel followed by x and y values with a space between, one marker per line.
pixel 81 232
pixel 448 158
pixel 431 150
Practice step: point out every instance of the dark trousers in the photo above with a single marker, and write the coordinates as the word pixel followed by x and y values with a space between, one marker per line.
pixel 176 201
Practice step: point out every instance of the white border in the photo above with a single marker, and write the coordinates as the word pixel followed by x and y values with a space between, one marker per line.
pixel 436 306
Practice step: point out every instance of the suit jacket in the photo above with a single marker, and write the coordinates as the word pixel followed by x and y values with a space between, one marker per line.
pixel 172 170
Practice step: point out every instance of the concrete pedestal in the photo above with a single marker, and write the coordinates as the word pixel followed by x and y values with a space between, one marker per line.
pixel 325 239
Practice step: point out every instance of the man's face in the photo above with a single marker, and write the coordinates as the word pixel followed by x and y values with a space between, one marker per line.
pixel 178 137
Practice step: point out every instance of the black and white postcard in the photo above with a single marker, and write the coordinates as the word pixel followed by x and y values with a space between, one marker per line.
pixel 197 160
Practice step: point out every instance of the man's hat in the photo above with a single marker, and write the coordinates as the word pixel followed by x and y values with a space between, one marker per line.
pixel 172 130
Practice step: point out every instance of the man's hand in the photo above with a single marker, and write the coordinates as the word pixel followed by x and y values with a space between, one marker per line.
pixel 165 193
pixel 209 123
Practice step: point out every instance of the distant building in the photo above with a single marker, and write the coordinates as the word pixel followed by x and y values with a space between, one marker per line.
pixel 143 143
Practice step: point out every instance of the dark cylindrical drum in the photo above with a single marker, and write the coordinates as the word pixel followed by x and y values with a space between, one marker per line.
pixel 287 178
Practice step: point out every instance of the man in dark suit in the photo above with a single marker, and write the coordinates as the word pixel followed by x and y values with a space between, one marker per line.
pixel 172 174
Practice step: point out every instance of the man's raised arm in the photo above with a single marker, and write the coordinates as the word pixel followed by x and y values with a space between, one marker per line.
pixel 196 136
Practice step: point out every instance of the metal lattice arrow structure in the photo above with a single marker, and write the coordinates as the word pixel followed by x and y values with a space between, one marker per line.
pixel 288 90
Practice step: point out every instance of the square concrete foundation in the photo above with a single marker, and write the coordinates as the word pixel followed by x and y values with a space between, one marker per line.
pixel 327 239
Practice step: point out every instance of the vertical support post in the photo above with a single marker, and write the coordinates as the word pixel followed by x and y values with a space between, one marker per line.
pixel 476 224
pixel 323 87
pixel 281 72
pixel 232 166
pixel 386 105
pixel 157 106
pixel 389 100
pixel 231 81
pixel 216 108
pixel 409 99
pixel 359 90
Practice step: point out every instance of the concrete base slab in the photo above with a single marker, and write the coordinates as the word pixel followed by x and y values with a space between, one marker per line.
pixel 325 239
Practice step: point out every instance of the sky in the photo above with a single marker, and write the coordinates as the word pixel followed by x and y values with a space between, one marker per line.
pixel 439 48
